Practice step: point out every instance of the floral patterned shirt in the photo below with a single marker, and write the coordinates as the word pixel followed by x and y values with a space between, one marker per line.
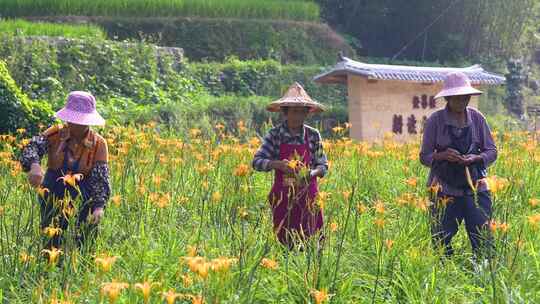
pixel 98 180
pixel 280 134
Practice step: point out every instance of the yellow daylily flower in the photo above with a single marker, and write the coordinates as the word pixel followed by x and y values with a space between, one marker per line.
pixel 243 213
pixel 379 222
pixel 241 170
pixel 116 200
pixel 411 181
pixel 534 220
pixel 192 251
pixel 105 263
pixel 187 281
pixel 146 289
pixel 71 179
pixel 293 164
pixel 435 188
pixel 25 257
pixel 334 226
pixel 53 254
pixel 171 296
pixel 269 264
pixel 198 299
pixel 337 129
pixel 42 191
pixel 222 264
pixel 320 296
pixel 112 290
pixel 51 232
pixel 379 207
pixel 388 243
pixel 361 208
pixel 216 197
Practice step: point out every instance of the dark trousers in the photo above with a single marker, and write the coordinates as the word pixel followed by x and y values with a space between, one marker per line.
pixel 55 215
pixel 52 216
pixel 446 220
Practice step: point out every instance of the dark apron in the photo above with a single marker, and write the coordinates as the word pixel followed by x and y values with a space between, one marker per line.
pixel 453 174
pixel 57 215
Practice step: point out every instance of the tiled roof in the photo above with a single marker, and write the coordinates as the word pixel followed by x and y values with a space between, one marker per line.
pixel 338 74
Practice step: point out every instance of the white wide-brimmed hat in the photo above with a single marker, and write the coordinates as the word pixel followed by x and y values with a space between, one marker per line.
pixel 456 84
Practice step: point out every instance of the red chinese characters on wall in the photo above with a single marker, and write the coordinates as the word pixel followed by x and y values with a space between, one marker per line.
pixel 422 102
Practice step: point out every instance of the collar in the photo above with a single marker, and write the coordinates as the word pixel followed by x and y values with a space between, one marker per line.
pixel 286 133
pixel 448 121
pixel 88 140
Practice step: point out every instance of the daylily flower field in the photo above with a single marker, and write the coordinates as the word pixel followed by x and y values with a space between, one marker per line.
pixel 189 222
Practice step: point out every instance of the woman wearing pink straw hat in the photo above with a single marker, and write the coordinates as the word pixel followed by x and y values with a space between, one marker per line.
pixel 76 166
pixel 294 151
pixel 458 147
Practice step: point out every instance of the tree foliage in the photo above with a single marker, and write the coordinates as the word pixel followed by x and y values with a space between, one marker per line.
pixel 441 30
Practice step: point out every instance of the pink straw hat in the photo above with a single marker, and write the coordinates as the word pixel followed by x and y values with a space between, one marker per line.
pixel 456 84
pixel 80 109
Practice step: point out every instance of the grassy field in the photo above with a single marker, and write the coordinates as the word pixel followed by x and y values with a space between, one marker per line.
pixel 265 9
pixel 26 28
pixel 189 223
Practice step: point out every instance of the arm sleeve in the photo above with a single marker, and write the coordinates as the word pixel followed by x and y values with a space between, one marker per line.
pixel 489 149
pixel 34 151
pixel 320 160
pixel 99 180
pixel 265 154
pixel 428 142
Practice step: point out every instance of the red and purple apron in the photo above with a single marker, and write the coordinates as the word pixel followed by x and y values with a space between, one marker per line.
pixel 295 215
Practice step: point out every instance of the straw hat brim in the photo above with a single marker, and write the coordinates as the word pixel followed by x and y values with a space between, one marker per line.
pixel 314 107
pixel 459 92
pixel 85 119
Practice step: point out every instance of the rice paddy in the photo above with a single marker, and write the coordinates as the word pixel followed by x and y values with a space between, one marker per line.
pixel 300 10
pixel 26 28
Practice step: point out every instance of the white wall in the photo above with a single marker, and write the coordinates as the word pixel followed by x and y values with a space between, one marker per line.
pixel 373 104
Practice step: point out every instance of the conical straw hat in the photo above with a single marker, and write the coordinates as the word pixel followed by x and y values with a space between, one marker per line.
pixel 295 96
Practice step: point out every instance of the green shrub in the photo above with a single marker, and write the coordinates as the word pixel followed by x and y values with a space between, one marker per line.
pixel 263 78
pixel 111 69
pixel 504 123
pixel 206 39
pixel 132 85
pixel 209 110
pixel 229 110
pixel 46 69
pixel 16 110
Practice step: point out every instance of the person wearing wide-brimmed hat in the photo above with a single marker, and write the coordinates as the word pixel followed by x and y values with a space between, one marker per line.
pixel 77 166
pixel 295 152
pixel 458 147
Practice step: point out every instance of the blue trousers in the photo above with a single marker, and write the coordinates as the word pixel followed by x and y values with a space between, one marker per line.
pixel 446 221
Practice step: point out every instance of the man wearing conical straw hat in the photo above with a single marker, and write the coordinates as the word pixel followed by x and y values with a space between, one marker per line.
pixel 295 152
